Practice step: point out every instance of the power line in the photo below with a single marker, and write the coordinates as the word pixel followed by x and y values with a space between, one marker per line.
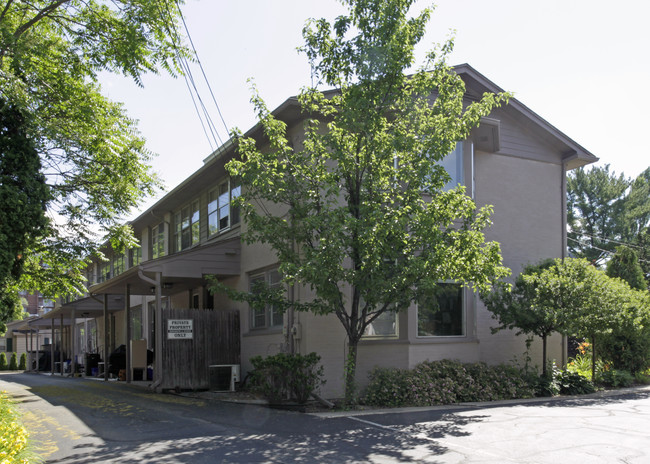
pixel 199 106
pixel 609 252
pixel 201 67
pixel 603 239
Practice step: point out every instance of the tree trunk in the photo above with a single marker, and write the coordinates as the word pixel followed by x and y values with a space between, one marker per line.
pixel 350 374
pixel 544 355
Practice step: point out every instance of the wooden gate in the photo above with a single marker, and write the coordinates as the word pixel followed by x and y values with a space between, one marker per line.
pixel 194 339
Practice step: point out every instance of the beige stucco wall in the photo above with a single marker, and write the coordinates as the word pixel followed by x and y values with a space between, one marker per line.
pixel 528 206
pixel 524 182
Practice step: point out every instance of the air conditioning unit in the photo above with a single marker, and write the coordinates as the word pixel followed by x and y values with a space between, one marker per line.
pixel 223 376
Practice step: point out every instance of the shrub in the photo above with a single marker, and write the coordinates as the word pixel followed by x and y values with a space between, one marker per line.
pixel 445 382
pixel 285 376
pixel 571 383
pixel 23 362
pixel 615 378
pixel 13 364
pixel 3 362
pixel 547 384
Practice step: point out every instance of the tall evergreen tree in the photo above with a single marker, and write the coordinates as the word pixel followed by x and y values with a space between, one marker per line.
pixel 624 264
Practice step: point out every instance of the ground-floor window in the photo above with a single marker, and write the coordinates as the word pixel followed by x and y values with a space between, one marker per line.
pixel 442 312
pixel 268 316
pixel 384 326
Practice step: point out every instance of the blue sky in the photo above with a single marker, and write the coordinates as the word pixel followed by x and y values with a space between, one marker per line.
pixel 580 64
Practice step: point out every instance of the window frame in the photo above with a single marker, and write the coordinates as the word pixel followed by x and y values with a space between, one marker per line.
pixel 158 241
pixel 187 226
pixel 119 264
pixel 376 336
pixel 463 310
pixel 222 216
pixel 273 279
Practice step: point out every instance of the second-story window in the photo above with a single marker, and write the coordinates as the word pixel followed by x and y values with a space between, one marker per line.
pixel 104 272
pixel 118 265
pixel 221 214
pixel 136 256
pixel 158 241
pixel 187 226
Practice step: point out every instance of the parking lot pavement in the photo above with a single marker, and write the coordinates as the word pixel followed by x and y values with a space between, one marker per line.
pixel 81 421
pixel 606 427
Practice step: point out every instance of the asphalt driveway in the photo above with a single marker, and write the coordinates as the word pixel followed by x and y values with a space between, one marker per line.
pixel 86 421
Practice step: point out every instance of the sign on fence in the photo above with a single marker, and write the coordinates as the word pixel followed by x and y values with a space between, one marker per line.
pixel 180 329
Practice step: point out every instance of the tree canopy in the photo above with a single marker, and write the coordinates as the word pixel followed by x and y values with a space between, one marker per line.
pixel 519 307
pixel 365 219
pixel 94 161
pixel 572 297
pixel 625 265
pixel 606 210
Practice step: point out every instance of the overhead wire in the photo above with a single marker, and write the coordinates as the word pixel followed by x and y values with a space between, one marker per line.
pixel 608 252
pixel 603 239
pixel 189 36
pixel 207 124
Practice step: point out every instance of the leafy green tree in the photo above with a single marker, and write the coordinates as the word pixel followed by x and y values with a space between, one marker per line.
pixel 518 307
pixel 365 218
pixel 637 207
pixel 11 304
pixel 605 210
pixel 595 212
pixel 3 362
pixel 643 243
pixel 23 196
pixel 13 364
pixel 625 265
pixel 94 161
pixel 23 362
pixel 587 298
pixel 568 296
pixel 627 345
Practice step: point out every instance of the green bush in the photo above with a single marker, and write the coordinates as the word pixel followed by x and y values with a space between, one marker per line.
pixel 615 378
pixel 571 383
pixel 23 362
pixel 445 382
pixel 13 364
pixel 3 362
pixel 286 376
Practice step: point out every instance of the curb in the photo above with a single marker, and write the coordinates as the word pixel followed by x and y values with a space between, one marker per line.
pixel 483 405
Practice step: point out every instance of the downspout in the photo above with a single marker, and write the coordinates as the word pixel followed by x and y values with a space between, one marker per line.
pixel 565 342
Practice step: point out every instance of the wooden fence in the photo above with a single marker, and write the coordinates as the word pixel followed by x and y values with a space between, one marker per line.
pixel 212 337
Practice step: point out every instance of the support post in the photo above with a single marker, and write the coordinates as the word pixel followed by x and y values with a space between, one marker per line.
pixel 159 331
pixel 73 343
pixel 127 309
pixel 37 350
pixel 106 365
pixel 52 346
pixel 61 346
pixel 29 351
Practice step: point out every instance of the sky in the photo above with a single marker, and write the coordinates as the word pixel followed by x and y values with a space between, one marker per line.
pixel 580 64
